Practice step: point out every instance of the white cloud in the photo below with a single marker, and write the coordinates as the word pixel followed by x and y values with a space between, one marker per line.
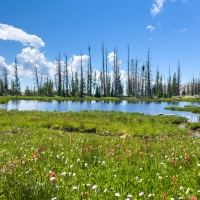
pixel 151 28
pixel 8 32
pixel 2 63
pixel 75 64
pixel 157 7
pixel 183 30
pixel 111 59
pixel 29 58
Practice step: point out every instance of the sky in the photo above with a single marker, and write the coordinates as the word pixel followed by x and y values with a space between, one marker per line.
pixel 36 31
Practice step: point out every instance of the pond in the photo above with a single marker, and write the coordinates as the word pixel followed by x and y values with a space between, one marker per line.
pixel 145 107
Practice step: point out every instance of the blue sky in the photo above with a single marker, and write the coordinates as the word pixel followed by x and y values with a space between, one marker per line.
pixel 36 31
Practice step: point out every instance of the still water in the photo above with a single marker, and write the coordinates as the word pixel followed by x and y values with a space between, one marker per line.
pixel 151 108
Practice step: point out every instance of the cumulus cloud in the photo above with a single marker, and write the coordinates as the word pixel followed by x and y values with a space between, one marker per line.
pixel 157 7
pixel 2 63
pixel 111 59
pixel 75 63
pixel 8 32
pixel 30 58
pixel 151 28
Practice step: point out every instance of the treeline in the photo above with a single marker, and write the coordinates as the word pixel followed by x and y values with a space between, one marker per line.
pixel 140 81
pixel 15 88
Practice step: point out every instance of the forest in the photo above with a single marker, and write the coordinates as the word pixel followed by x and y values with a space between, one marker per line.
pixel 141 81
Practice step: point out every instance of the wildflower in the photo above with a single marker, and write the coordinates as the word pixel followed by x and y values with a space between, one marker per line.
pixel 52 178
pixel 150 195
pixel 75 188
pixel 117 194
pixel 54 198
pixel 193 198
pixel 181 188
pixel 129 195
pixel 174 178
pixel 187 191
pixel 53 174
pixel 63 173
pixel 103 162
pixel 198 165
pixel 85 195
pixel 86 164
pixel 94 187
pixel 105 190
pixel 78 160
pixel 141 194
pixel 164 195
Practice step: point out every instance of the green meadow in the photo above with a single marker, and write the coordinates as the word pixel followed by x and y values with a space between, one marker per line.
pixel 97 155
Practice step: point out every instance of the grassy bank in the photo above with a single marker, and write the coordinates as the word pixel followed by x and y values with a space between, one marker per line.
pixel 98 122
pixel 5 99
pixel 193 109
pixel 49 155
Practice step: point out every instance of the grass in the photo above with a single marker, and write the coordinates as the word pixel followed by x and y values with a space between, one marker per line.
pixel 5 99
pixel 188 108
pixel 53 155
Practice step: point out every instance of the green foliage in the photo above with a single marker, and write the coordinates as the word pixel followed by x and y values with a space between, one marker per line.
pixel 193 109
pixel 116 123
pixel 41 159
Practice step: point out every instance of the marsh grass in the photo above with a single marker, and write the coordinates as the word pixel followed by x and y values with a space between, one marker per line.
pixel 47 155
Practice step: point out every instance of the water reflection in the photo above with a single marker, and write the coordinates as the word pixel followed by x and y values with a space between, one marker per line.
pixel 146 107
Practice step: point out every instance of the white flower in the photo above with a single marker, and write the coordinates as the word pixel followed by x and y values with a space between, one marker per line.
pixel 162 163
pixel 86 185
pixel 172 198
pixel 198 165
pixel 181 187
pixel 129 195
pixel 52 178
pixel 187 191
pixel 150 195
pixel 115 175
pixel 141 194
pixel 54 198
pixel 73 174
pixel 117 194
pixel 71 166
pixel 63 173
pixel 75 188
pixel 198 191
pixel 141 169
pixel 86 164
pixel 103 162
pixel 78 160
pixel 160 177
pixel 94 187
pixel 105 190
